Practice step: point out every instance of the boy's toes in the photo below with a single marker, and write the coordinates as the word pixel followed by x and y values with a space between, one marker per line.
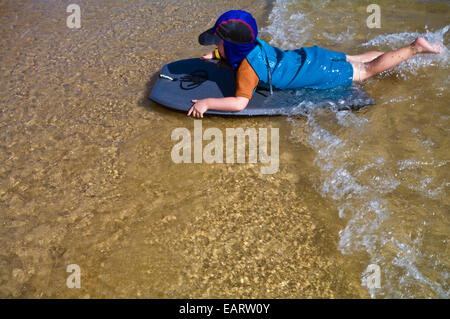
pixel 438 48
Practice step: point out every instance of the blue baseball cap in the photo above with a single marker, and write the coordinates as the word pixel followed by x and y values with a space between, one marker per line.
pixel 235 26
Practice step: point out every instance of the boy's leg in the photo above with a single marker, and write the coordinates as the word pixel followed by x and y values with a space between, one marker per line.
pixel 363 71
pixel 364 57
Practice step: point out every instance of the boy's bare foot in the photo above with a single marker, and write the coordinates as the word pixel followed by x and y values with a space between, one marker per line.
pixel 420 45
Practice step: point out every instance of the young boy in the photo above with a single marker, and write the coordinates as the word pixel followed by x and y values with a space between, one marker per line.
pixel 259 64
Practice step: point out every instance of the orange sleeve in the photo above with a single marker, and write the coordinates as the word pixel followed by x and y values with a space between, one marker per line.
pixel 246 80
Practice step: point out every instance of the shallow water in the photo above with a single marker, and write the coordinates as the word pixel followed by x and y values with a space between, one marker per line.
pixel 87 176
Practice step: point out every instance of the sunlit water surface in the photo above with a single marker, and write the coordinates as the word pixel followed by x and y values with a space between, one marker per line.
pixel 87 178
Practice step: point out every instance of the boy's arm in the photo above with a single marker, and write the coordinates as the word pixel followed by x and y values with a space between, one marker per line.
pixel 232 104
pixel 247 80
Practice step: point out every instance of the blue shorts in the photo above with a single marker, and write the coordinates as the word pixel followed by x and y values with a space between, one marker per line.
pixel 324 69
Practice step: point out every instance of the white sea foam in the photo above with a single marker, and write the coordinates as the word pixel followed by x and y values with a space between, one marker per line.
pixel 395 40
pixel 288 29
pixel 414 164
pixel 339 37
pixel 362 185
pixel 361 196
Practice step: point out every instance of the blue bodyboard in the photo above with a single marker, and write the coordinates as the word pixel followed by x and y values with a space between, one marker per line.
pixel 194 79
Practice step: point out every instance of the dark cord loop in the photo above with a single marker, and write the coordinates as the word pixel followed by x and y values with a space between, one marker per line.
pixel 193 80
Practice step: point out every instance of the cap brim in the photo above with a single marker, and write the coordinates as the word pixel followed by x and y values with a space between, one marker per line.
pixel 208 38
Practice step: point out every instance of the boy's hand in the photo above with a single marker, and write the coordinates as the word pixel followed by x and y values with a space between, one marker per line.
pixel 199 107
pixel 207 56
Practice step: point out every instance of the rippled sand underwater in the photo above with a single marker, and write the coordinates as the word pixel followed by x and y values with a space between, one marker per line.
pixel 87 179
